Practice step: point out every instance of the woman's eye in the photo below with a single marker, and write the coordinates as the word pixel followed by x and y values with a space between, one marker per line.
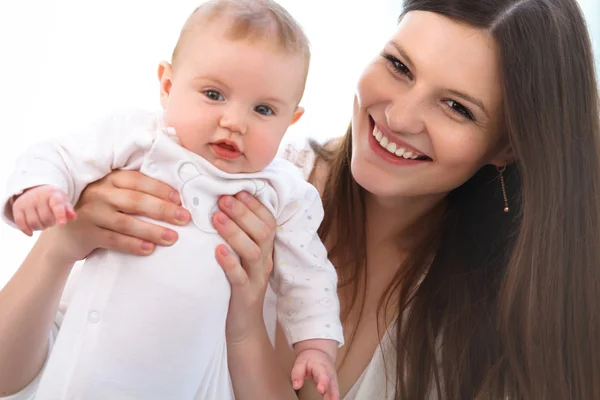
pixel 398 65
pixel 213 95
pixel 264 110
pixel 459 109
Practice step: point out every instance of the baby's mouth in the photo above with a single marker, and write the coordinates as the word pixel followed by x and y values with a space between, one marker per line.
pixel 227 146
pixel 227 149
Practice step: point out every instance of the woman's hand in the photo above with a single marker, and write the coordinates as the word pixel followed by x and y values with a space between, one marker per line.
pixel 249 228
pixel 107 210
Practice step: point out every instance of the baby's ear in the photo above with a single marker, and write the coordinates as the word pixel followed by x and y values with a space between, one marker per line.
pixel 165 80
pixel 297 115
pixel 187 171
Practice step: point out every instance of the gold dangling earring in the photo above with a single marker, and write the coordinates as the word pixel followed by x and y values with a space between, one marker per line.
pixel 501 172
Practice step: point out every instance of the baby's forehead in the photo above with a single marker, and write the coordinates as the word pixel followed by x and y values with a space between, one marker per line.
pixel 250 21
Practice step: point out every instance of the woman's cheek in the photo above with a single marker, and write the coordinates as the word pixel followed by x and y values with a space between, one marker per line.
pixel 460 152
pixel 371 87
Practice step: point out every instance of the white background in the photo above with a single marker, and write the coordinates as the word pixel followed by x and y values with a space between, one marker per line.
pixel 66 62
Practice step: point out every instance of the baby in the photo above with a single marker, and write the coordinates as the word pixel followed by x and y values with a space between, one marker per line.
pixel 232 89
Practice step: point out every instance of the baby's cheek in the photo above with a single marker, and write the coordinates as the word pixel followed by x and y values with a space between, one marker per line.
pixel 261 151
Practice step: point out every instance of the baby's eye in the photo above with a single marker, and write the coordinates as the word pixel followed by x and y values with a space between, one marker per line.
pixel 264 110
pixel 213 95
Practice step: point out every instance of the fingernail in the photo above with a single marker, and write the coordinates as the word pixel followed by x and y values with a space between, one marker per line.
pixel 224 250
pixel 147 246
pixel 228 202
pixel 174 197
pixel 244 197
pixel 169 236
pixel 182 216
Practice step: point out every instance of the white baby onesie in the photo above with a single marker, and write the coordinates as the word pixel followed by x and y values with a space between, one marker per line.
pixel 131 317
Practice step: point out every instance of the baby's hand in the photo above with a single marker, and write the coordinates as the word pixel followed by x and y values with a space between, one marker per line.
pixel 321 367
pixel 41 207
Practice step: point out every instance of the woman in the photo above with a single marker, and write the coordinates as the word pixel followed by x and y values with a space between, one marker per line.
pixel 485 244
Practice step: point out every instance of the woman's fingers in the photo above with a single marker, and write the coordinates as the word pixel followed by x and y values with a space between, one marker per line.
pixel 128 225
pixel 134 193
pixel 231 266
pixel 247 265
pixel 125 244
pixel 248 221
pixel 249 228
pixel 239 241
pixel 258 209
pixel 90 236
pixel 138 182
pixel 139 203
pixel 110 210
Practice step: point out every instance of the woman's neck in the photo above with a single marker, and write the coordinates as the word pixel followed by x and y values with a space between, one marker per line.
pixel 390 221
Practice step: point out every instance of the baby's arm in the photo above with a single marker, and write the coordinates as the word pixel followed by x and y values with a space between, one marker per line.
pixel 306 284
pixel 50 177
pixel 315 358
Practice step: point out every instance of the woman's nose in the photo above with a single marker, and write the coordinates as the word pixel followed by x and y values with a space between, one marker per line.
pixel 405 115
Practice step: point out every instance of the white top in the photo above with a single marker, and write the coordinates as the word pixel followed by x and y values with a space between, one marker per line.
pixel 371 385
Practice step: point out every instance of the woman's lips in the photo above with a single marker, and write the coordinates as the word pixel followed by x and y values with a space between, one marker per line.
pixel 402 154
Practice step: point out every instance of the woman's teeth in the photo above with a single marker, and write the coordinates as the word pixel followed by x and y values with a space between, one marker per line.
pixel 393 147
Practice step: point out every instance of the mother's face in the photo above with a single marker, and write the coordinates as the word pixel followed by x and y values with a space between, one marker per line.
pixel 427 110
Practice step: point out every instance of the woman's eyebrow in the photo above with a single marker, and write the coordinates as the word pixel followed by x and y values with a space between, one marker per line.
pixel 405 56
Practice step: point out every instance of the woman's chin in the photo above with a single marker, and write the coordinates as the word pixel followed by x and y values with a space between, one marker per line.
pixel 374 180
pixel 390 184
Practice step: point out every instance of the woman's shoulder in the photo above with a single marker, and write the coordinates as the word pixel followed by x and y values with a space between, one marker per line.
pixel 301 156
pixel 308 157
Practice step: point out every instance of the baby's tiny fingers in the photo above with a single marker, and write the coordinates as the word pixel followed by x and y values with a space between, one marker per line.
pixel 46 215
pixel 71 214
pixel 322 380
pixel 298 374
pixel 21 222
pixel 33 219
pixel 58 205
pixel 334 390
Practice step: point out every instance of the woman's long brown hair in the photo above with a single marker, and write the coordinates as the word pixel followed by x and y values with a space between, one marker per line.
pixel 510 303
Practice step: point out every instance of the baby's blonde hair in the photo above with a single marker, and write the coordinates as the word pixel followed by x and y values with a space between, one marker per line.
pixel 252 20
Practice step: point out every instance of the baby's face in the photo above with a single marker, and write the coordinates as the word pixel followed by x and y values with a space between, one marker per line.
pixel 232 101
